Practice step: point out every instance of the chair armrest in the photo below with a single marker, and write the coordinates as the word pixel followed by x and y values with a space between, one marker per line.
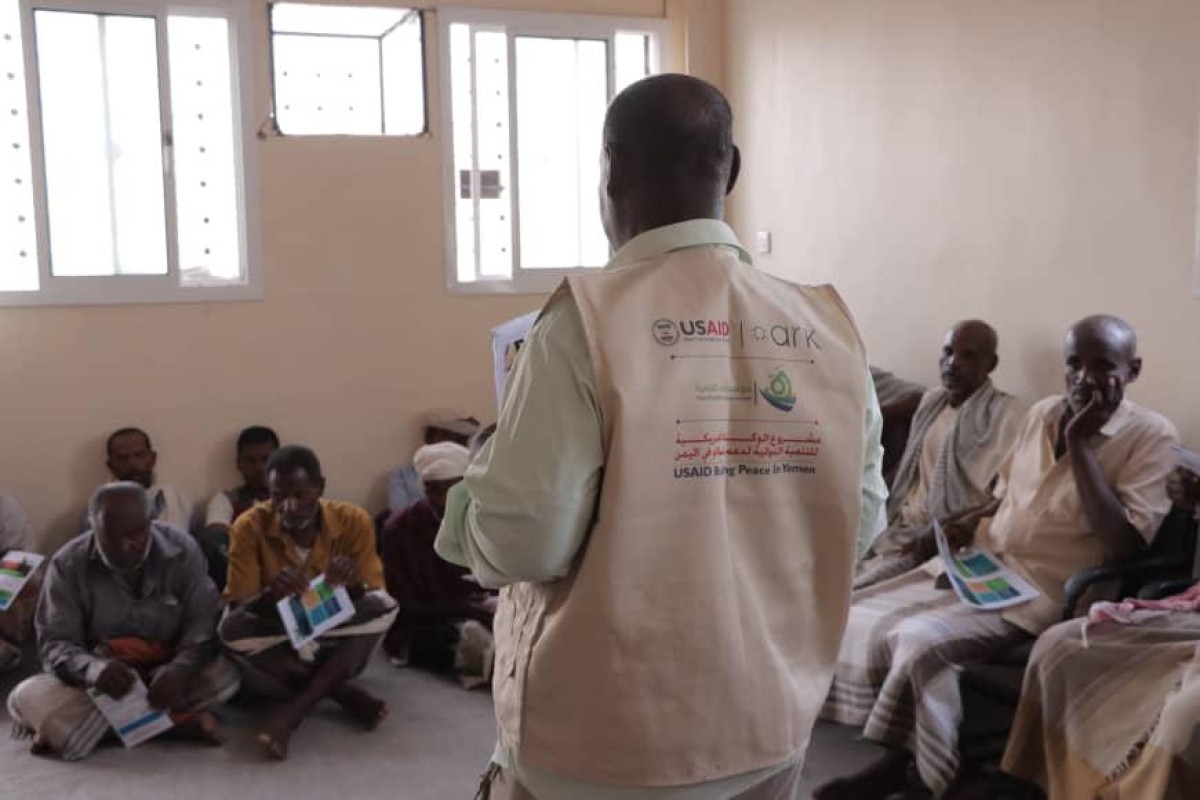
pixel 1160 589
pixel 1132 576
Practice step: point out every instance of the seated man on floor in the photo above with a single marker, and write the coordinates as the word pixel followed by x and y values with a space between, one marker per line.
pixel 1083 483
pixel 404 484
pixel 16 622
pixel 960 434
pixel 445 617
pixel 1115 712
pixel 130 600
pixel 131 457
pixel 255 445
pixel 275 550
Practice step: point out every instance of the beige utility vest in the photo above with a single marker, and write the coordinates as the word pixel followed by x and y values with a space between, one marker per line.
pixel 696 634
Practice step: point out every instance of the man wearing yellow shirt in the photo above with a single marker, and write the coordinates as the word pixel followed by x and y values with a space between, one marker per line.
pixel 275 550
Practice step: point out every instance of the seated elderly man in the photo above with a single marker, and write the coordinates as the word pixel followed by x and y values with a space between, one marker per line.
pixel 445 618
pixel 131 457
pixel 275 550
pixel 404 484
pixel 1084 483
pixel 960 434
pixel 16 622
pixel 129 600
pixel 1114 712
pixel 255 445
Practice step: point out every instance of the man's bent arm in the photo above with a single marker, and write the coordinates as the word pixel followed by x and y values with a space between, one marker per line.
pixel 526 504
pixel 61 633
pixel 1101 506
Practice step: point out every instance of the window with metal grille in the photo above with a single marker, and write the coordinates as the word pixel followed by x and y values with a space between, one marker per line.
pixel 126 177
pixel 523 104
pixel 349 70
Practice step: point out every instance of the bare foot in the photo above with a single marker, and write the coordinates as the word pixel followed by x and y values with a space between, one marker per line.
pixel 274 738
pixel 877 781
pixel 203 727
pixel 367 709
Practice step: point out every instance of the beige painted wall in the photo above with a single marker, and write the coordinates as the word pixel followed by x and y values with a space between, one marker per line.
pixel 1027 161
pixel 698 28
pixel 356 338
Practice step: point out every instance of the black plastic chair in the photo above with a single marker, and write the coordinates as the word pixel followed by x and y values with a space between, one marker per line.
pixel 991 689
pixel 1160 589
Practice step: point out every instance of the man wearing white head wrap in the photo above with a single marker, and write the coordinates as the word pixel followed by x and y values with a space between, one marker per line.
pixel 404 483
pixel 445 619
pixel 444 461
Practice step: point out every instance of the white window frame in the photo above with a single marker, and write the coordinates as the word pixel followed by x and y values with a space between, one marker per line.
pixel 135 289
pixel 517 24
pixel 423 14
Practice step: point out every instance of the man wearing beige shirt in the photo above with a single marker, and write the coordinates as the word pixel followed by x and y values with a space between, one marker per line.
pixel 1083 483
pixel 961 432
pixel 686 458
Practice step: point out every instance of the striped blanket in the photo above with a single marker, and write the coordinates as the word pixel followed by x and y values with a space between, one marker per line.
pixel 1115 718
pixel 897 671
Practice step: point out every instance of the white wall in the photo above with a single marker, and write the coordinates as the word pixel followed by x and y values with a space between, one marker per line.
pixel 1025 161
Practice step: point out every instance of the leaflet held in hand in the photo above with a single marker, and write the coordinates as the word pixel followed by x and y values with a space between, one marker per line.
pixel 131 717
pixel 980 579
pixel 507 341
pixel 318 610
pixel 16 568
pixel 1187 459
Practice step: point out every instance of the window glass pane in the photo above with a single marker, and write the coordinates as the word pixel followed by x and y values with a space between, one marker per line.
pixel 205 151
pixel 463 124
pixel 404 78
pixel 102 139
pixel 18 233
pixel 348 70
pixel 327 85
pixel 633 59
pixel 494 182
pixel 562 95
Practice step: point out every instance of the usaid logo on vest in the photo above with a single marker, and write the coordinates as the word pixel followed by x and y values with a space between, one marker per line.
pixel 667 331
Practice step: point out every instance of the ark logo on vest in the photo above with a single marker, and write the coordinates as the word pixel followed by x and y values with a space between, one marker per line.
pixel 779 392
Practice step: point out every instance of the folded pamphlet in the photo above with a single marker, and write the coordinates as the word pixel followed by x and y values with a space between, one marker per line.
pixel 980 579
pixel 1188 459
pixel 16 568
pixel 507 341
pixel 131 717
pixel 321 608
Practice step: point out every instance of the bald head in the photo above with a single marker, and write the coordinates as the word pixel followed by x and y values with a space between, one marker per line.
pixel 1111 330
pixel 968 358
pixel 1100 355
pixel 668 154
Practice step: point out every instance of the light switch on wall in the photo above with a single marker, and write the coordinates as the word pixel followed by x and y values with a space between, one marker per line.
pixel 762 242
